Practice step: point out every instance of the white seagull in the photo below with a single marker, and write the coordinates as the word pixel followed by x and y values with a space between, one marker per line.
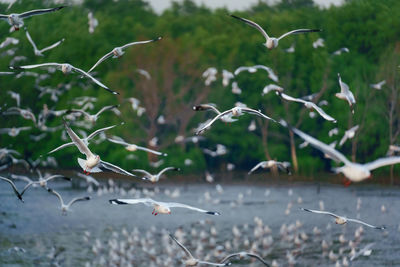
pixel 272 42
pixel 159 207
pixel 253 69
pixel 378 86
pixel 93 163
pixel 271 87
pixel 192 261
pixel 65 207
pixel 243 254
pixel 92 21
pixel 346 94
pixel 65 68
pixel 226 119
pixel 340 51
pixel 17 193
pixel 355 172
pixel 366 251
pixel 26 114
pixel 283 166
pixel 17 20
pixel 36 50
pixel 13 132
pixel 43 180
pixel 118 52
pixel 84 140
pixel 236 111
pixel 318 43
pixel 349 134
pixel 342 220
pixel 8 41
pixel 226 76
pixel 133 147
pixel 307 104
pixel 92 118
pixel 155 177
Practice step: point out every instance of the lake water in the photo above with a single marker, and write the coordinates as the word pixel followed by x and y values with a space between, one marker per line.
pixel 96 233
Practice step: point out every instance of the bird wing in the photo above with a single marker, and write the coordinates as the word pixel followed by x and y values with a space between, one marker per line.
pixel 199 131
pixel 57 194
pixel 27 186
pixel 114 168
pixel 298 31
pixel 61 147
pixel 39 12
pixel 83 148
pixel 180 205
pixel 321 146
pixel 323 113
pixel 256 167
pixel 213 263
pixel 95 133
pixel 321 212
pixel 206 107
pixel 167 169
pixel 253 24
pixel 151 151
pixel 240 69
pixel 120 142
pixel 57 65
pixel 257 257
pixel 142 171
pixel 366 224
pixel 5 17
pixel 105 109
pixel 290 98
pixel 52 46
pixel 30 40
pixel 382 162
pixel 109 54
pixel 187 252
pixel 13 186
pixel 141 42
pixel 93 79
pixel 145 201
pixel 343 140
pixel 256 112
pixel 77 199
pixel 56 176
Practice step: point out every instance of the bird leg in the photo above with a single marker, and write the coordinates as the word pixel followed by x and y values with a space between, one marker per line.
pixel 153 211
pixel 155 214
pixel 346 182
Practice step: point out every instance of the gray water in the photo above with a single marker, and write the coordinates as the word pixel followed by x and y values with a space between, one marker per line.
pixel 39 228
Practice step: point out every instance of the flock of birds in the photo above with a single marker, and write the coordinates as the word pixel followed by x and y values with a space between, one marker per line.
pixel 93 163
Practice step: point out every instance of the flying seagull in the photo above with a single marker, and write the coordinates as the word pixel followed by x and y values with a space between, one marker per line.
pixel 346 94
pixel 243 254
pixel 236 111
pixel 118 51
pixel 272 42
pixel 17 20
pixel 159 207
pixel 89 117
pixel 155 177
pixel 283 166
pixel 349 134
pixel 378 86
pixel 307 104
pixel 192 261
pixel 252 69
pixel 133 147
pixel 342 219
pixel 65 207
pixel 36 50
pixel 93 163
pixel 65 68
pixel 17 193
pixel 201 107
pixel 354 171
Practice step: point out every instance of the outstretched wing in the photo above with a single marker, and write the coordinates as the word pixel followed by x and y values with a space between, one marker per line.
pixel 61 147
pixel 77 141
pixel 187 252
pixel 298 31
pixel 168 169
pixel 142 171
pixel 366 224
pixel 52 46
pixel 141 42
pixel 109 54
pixel 321 212
pixel 151 151
pixel 256 167
pixel 111 167
pixel 382 162
pixel 77 199
pixel 254 25
pixel 39 12
pixel 179 205
pixel 256 112
pixel 93 79
pixel 207 125
pixel 145 201
pixel 95 133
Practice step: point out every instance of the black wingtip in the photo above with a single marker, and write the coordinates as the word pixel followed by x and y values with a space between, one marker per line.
pixel 87 198
pixel 50 190
pixel 213 213
pixel 157 39
pixel 177 169
pixel 116 201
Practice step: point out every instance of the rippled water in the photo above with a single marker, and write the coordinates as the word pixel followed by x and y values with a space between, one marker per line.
pixel 38 227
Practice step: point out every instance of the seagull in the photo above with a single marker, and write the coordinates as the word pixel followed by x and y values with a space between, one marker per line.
pixel 65 207
pixel 253 69
pixel 342 220
pixel 283 166
pixel 226 76
pixel 155 177
pixel 93 22
pixel 15 96
pixel 366 251
pixel 349 134
pixel 318 43
pixel 93 163
pixel 84 140
pixel 355 172
pixel 118 52
pixel 19 195
pixel 65 68
pixel 17 20
pixel 235 88
pixel 236 111
pixel 340 51
pixel 378 86
pixel 307 104
pixel 36 50
pixel 244 254
pixel 272 42
pixel 26 114
pixel 210 75
pixel 13 132
pixel 191 261
pixel 291 49
pixel 133 147
pixel 346 94
pixel 271 87
pixel 333 132
pixel 145 73
pixel 43 180
pixel 159 207
pixel 92 118
pixel 226 119
pixel 8 41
